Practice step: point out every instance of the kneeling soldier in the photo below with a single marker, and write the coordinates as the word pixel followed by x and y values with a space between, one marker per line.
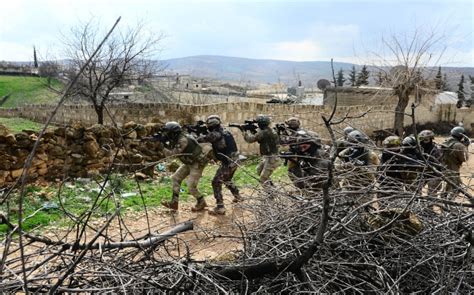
pixel 225 151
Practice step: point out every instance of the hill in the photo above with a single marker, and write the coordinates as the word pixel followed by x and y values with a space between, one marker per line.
pixel 271 71
pixel 19 90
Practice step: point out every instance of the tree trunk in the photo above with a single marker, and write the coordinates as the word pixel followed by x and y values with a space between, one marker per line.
pixel 402 104
pixel 100 114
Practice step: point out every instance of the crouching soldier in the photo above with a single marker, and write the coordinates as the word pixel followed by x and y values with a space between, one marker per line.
pixel 225 151
pixel 268 140
pixel 454 155
pixel 359 165
pixel 190 153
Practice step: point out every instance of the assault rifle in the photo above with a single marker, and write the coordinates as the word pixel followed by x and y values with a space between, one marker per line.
pixel 198 129
pixel 281 129
pixel 156 137
pixel 249 125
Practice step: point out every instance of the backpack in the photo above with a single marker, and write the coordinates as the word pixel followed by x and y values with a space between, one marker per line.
pixel 230 147
pixel 446 149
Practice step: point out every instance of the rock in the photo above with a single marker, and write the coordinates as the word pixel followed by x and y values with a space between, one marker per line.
pixel 140 176
pixel 16 173
pixel 3 130
pixel 172 166
pixel 129 125
pixel 91 148
pixel 10 139
pixel 136 158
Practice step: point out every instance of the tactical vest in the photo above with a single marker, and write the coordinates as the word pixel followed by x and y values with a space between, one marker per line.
pixel 192 152
pixel 269 142
pixel 225 152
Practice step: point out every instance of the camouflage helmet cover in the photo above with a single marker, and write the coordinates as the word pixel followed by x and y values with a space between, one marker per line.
pixel 348 130
pixel 357 137
pixel 213 121
pixel 426 134
pixel 263 119
pixel 293 123
pixel 458 131
pixel 409 141
pixel 391 141
pixel 172 127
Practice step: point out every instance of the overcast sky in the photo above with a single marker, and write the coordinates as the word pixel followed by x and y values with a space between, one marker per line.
pixel 288 30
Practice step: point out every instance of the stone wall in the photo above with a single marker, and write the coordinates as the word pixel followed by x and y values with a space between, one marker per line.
pixel 368 117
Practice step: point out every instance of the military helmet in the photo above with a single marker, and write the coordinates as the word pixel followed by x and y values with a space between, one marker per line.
pixel 293 123
pixel 409 141
pixel 426 135
pixel 391 141
pixel 356 136
pixel 458 132
pixel 348 130
pixel 172 127
pixel 262 120
pixel 213 121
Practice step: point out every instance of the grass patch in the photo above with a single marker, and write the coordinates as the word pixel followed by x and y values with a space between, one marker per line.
pixel 27 90
pixel 16 125
pixel 47 205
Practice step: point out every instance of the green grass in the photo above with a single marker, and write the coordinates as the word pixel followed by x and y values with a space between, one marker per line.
pixel 27 90
pixel 16 125
pixel 80 197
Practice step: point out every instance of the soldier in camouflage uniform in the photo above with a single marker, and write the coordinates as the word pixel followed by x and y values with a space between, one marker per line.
pixel 432 154
pixel 268 140
pixel 290 136
pixel 225 151
pixel 390 178
pixel 358 164
pixel 190 153
pixel 343 142
pixel 454 155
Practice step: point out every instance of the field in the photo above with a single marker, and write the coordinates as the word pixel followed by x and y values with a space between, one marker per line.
pixel 27 90
pixel 16 125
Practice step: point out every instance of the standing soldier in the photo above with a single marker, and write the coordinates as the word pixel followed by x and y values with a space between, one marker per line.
pixel 454 155
pixel 411 163
pixel 225 151
pixel 189 152
pixel 433 154
pixel 390 171
pixel 268 140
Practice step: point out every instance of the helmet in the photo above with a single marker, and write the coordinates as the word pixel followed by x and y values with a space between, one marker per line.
pixel 357 137
pixel 409 141
pixel 293 123
pixel 391 141
pixel 213 121
pixel 262 120
pixel 426 135
pixel 348 130
pixel 172 127
pixel 458 132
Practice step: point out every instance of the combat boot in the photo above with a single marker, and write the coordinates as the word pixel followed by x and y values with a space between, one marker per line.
pixel 237 199
pixel 200 205
pixel 173 204
pixel 219 210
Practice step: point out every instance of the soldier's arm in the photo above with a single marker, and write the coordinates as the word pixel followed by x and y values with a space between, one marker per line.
pixel 178 148
pixel 460 153
pixel 250 138
pixel 211 137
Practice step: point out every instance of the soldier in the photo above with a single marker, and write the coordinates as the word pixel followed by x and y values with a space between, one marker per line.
pixel 313 168
pixel 268 140
pixel 343 142
pixel 190 153
pixel 454 155
pixel 225 151
pixel 411 163
pixel 358 159
pixel 291 133
pixel 432 154
pixel 390 170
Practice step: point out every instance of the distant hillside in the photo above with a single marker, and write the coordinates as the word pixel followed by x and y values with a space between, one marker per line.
pixel 270 71
pixel 255 70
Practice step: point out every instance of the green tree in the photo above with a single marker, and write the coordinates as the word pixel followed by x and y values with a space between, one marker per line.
pixel 439 80
pixel 460 92
pixel 353 76
pixel 444 83
pixel 340 78
pixel 363 77
pixel 35 59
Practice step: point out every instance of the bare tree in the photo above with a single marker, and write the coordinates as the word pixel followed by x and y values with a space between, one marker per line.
pixel 49 70
pixel 408 56
pixel 125 58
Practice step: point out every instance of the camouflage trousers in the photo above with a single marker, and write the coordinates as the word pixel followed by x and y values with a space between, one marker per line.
pixel 224 176
pixel 266 167
pixel 194 171
pixel 454 177
pixel 295 173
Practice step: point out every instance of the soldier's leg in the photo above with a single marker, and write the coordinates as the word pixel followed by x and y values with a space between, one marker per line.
pixel 295 174
pixel 271 163
pixel 192 182
pixel 452 190
pixel 217 182
pixel 176 179
pixel 227 178
pixel 261 165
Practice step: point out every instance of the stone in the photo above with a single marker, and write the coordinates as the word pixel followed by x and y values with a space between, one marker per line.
pixel 91 148
pixel 16 173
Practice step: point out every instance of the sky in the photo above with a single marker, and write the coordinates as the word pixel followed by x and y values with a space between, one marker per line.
pixel 348 31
